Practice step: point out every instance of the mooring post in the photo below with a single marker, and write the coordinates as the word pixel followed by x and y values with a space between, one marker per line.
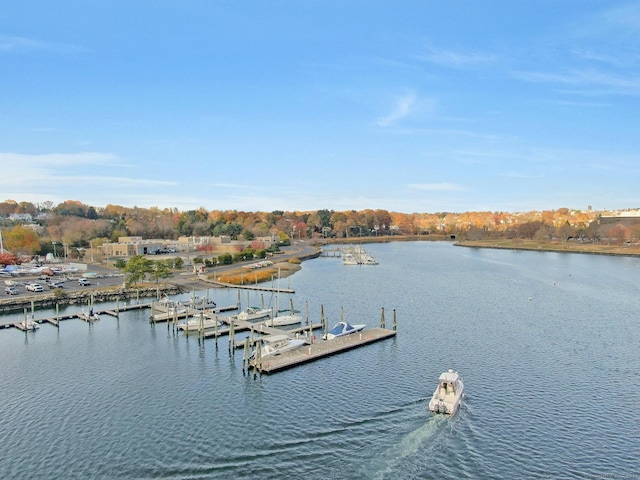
pixel 33 308
pixel 231 336
pixel 306 308
pixel 382 322
pixel 175 318
pixel 245 354
pixel 395 324
pixel 186 320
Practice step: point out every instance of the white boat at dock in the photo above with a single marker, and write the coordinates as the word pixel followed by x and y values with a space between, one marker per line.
pixel 89 317
pixel 194 324
pixel 357 256
pixel 28 325
pixel 254 313
pixel 283 318
pixel 448 396
pixel 343 328
pixel 271 345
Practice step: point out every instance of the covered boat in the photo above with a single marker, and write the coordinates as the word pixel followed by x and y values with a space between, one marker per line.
pixel 448 395
pixel 341 329
pixel 275 345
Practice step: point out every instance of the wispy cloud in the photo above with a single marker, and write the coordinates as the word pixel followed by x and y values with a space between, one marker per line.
pixel 456 59
pixel 56 169
pixel 14 44
pixel 436 187
pixel 401 109
pixel 607 83
pixel 20 160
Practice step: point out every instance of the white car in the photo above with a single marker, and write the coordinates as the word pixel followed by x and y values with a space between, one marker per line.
pixel 35 287
pixel 84 282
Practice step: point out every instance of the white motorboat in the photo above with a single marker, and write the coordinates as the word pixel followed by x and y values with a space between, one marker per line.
pixel 281 319
pixel 448 395
pixel 254 313
pixel 195 324
pixel 271 345
pixel 30 325
pixel 341 329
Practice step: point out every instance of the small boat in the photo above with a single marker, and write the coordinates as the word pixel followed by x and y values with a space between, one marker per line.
pixel 194 324
pixel 341 329
pixel 89 317
pixel 30 325
pixel 282 319
pixel 254 313
pixel 448 395
pixel 275 345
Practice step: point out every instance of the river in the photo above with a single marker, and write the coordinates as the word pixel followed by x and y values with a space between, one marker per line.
pixel 547 343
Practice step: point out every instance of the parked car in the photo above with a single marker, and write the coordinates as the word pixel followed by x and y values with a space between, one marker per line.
pixel 34 287
pixel 11 291
pixel 84 282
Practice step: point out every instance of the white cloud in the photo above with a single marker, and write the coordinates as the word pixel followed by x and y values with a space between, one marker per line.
pixel 453 59
pixel 617 84
pixel 14 44
pixel 401 109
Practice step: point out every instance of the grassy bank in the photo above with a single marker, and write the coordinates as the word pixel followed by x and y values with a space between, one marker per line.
pixel 243 276
pixel 551 246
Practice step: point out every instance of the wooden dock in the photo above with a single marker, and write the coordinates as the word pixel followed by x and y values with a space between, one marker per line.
pixel 55 321
pixel 160 313
pixel 320 349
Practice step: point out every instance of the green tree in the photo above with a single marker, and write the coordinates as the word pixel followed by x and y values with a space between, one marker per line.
pixel 159 270
pixel 120 264
pixel 225 259
pixel 137 269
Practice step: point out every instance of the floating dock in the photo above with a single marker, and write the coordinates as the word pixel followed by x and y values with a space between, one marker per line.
pixel 320 349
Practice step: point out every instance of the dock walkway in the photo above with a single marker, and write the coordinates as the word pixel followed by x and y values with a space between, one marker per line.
pixel 320 349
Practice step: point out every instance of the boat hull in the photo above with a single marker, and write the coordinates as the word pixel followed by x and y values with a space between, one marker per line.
pixel 448 396
pixel 282 320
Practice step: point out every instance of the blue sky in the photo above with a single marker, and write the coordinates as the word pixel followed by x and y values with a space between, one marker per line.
pixel 408 106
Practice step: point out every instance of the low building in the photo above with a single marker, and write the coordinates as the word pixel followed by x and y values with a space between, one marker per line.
pixel 130 246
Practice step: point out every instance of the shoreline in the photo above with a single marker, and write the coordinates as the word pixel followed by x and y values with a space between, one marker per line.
pixel 591 249
pixel 194 282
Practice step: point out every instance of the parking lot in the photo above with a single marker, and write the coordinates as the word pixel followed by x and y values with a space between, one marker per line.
pixel 44 284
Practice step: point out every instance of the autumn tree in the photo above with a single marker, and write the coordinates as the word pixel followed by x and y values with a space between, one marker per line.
pixel 21 240
pixel 8 207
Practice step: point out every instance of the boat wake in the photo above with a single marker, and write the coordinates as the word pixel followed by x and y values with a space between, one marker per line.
pixel 407 446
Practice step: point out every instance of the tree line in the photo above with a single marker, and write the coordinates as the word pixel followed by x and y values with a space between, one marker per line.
pixel 73 228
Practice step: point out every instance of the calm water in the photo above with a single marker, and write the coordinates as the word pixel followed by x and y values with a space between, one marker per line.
pixel 548 345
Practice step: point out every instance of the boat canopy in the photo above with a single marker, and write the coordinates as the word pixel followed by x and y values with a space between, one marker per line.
pixel 340 327
pixel 449 377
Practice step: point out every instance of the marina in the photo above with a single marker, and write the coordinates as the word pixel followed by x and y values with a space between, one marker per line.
pixel 192 317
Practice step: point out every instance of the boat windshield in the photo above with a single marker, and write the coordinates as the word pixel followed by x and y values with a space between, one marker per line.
pixel 337 329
